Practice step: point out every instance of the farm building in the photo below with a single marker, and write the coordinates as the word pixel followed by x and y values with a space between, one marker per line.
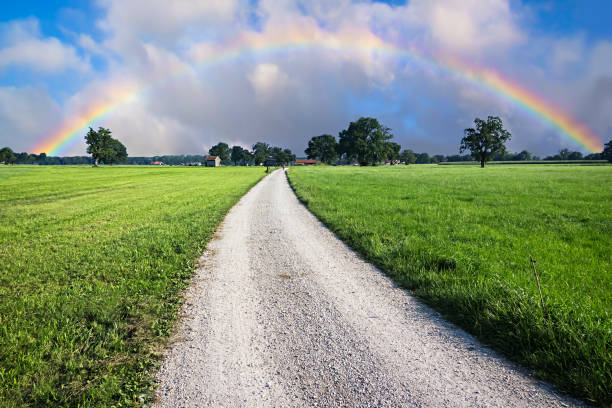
pixel 305 162
pixel 213 161
pixel 157 163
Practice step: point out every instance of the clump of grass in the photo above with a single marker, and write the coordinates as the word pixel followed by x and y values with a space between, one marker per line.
pixel 460 238
pixel 92 264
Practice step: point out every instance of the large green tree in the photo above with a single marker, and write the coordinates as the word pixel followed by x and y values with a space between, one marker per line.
pixel 117 153
pixel 607 152
pixel 261 151
pixel 222 150
pixel 104 148
pixel 365 140
pixel 7 156
pixel 485 139
pixel 237 154
pixel 323 148
pixel 99 144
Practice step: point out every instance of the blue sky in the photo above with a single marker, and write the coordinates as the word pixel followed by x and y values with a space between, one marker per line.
pixel 59 57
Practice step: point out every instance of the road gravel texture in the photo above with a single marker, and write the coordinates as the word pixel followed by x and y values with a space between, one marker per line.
pixel 283 314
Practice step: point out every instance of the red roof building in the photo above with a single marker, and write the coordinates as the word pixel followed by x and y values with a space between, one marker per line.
pixel 305 162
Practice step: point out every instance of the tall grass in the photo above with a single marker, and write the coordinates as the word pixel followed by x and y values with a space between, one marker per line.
pixel 92 263
pixel 460 238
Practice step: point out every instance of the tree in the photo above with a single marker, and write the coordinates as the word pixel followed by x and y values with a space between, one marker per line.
pixel 221 150
pixel 393 151
pixel 607 152
pixel 522 156
pixel 119 153
pixel 99 144
pixel 103 148
pixel 247 157
pixel 261 151
pixel 486 139
pixel 575 156
pixel 365 140
pixel 282 156
pixel 423 158
pixel 323 148
pixel 7 156
pixel 237 154
pixel 408 156
pixel 564 154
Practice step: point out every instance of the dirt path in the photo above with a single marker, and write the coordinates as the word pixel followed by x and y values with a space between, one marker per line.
pixel 283 314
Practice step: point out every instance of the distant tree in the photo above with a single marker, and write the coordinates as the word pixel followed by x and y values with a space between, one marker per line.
pixel 7 156
pixel 593 156
pixel 486 139
pixel 282 156
pixel 574 156
pixel 438 158
pixel 261 151
pixel 523 156
pixel 606 154
pixel 222 150
pixel 564 154
pixel 423 158
pixel 365 140
pixel 393 151
pixel 236 154
pixel 247 157
pixel 408 156
pixel 323 148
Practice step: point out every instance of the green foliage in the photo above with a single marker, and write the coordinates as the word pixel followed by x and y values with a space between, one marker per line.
pixel 7 156
pixel 366 141
pixel 261 151
pixel 408 156
pixel 92 264
pixel 486 140
pixel 606 154
pixel 103 148
pixel 282 156
pixel 323 148
pixel 461 240
pixel 237 154
pixel 221 150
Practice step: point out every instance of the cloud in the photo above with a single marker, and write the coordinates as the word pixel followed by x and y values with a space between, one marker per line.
pixel 24 47
pixel 283 71
pixel 26 114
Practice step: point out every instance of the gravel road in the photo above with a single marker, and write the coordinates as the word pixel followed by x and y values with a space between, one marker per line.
pixel 283 314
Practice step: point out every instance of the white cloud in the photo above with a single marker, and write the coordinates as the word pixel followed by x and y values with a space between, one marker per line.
pixel 26 114
pixel 25 47
pixel 200 84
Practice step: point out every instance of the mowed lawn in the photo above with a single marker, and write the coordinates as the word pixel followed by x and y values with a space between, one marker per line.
pixel 461 237
pixel 92 263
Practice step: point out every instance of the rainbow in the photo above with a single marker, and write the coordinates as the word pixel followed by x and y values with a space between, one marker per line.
pixel 352 42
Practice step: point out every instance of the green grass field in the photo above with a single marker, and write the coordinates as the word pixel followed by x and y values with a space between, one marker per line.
pixel 460 238
pixel 92 263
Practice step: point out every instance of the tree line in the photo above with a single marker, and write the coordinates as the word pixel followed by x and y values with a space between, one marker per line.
pixel 364 142
pixel 259 154
pixel 367 142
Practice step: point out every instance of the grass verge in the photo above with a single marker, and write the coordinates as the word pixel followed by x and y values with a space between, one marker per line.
pixel 92 264
pixel 460 238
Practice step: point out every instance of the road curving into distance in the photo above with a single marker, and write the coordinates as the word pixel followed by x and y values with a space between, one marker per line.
pixel 283 314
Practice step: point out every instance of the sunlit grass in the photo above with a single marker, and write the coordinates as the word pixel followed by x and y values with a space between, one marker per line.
pixel 461 237
pixel 92 262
